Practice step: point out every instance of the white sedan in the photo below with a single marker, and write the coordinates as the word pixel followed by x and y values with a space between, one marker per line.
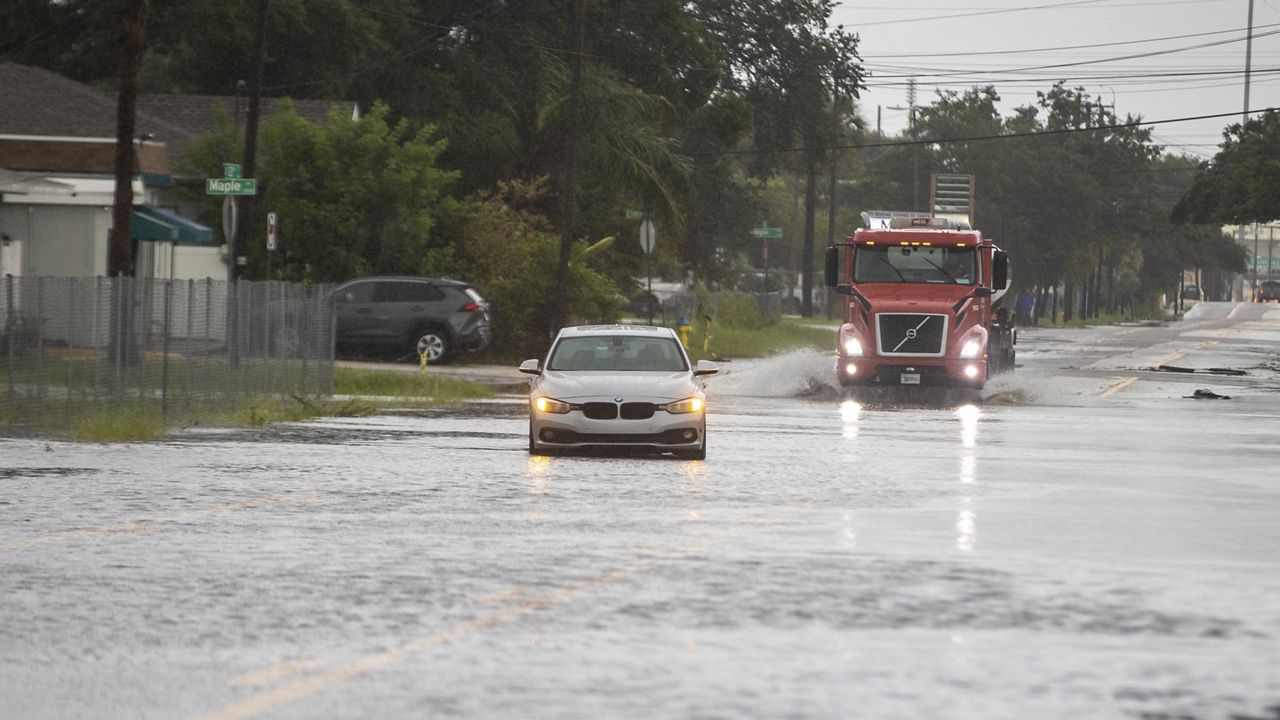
pixel 616 386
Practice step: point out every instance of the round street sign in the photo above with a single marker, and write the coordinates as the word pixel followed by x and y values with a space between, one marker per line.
pixel 646 236
pixel 228 217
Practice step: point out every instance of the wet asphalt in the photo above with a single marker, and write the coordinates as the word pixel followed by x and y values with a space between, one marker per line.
pixel 1082 540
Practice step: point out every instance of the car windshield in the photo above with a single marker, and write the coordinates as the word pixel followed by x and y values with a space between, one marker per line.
pixel 894 263
pixel 627 353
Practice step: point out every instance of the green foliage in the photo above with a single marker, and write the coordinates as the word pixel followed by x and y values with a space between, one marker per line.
pixel 1241 184
pixel 390 383
pixel 133 423
pixel 753 342
pixel 354 197
pixel 739 310
pixel 506 248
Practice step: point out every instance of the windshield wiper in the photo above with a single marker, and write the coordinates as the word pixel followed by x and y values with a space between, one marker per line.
pixel 885 260
pixel 938 267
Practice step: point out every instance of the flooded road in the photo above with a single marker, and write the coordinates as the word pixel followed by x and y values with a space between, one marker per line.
pixel 1082 541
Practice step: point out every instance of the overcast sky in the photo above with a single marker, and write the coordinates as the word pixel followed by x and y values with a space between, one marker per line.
pixel 1199 68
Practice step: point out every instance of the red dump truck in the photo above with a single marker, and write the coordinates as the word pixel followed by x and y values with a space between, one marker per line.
pixel 921 305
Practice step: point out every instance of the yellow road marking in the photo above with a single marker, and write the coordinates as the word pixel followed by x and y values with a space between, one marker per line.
pixel 262 702
pixel 275 672
pixel 144 526
pixel 1179 355
pixel 1118 387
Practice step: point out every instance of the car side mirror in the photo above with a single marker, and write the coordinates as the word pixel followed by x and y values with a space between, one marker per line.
pixel 705 367
pixel 531 367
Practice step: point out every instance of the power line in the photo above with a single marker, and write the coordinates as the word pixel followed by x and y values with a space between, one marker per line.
pixel 974 138
pixel 1068 47
pixel 1134 56
pixel 999 11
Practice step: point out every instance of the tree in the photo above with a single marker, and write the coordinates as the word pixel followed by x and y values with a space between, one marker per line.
pixel 1241 184
pixel 354 197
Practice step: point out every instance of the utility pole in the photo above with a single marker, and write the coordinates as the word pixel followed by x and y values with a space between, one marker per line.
pixel 915 149
pixel 240 243
pixel 568 190
pixel 120 247
pixel 831 184
pixel 1248 70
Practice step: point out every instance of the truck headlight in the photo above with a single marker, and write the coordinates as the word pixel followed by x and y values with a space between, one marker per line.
pixel 971 348
pixel 688 405
pixel 852 348
pixel 549 405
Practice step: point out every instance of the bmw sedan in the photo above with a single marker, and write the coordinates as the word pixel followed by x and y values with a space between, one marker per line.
pixel 618 386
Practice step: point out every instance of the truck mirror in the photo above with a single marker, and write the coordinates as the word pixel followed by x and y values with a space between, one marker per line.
pixel 983 292
pixel 1000 270
pixel 844 289
pixel 832 267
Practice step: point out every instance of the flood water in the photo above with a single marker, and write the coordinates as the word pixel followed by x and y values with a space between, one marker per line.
pixel 1052 549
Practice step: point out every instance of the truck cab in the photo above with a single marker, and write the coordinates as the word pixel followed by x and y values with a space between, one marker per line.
pixel 920 305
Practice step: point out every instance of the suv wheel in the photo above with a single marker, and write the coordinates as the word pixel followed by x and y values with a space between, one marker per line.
pixel 434 343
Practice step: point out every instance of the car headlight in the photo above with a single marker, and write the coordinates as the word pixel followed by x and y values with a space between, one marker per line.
pixel 971 348
pixel 550 405
pixel 852 348
pixel 688 405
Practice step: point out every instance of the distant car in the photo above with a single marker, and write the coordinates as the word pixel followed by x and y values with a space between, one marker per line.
pixel 1269 291
pixel 618 386
pixel 1191 292
pixel 406 316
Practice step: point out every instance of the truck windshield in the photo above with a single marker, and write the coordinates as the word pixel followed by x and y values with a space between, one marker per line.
pixel 915 264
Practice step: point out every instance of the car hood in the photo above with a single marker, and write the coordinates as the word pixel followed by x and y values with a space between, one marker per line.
pixel 661 386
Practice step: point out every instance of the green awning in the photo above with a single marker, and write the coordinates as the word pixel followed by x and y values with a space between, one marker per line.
pixel 151 223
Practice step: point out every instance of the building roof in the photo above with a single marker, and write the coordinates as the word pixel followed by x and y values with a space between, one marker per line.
pixel 41 103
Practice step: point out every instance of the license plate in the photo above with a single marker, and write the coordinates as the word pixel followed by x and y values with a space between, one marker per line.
pixel 910 378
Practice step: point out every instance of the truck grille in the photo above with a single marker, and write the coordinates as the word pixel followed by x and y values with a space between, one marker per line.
pixel 911 334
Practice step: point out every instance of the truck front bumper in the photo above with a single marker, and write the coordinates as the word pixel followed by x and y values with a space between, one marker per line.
pixel 931 372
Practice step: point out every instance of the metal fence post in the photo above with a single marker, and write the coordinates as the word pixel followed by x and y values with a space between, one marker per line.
pixel 9 324
pixel 164 367
pixel 39 320
pixel 71 315
pixel 93 343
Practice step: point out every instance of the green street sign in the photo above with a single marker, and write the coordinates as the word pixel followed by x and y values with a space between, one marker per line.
pixel 766 232
pixel 231 171
pixel 230 186
pixel 633 214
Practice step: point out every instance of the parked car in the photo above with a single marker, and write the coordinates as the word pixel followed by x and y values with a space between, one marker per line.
pixel 1269 291
pixel 1191 292
pixel 407 316
pixel 629 386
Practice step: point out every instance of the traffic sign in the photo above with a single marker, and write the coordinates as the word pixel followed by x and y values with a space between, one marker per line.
pixel 633 214
pixel 271 231
pixel 764 231
pixel 646 236
pixel 231 171
pixel 229 216
pixel 230 186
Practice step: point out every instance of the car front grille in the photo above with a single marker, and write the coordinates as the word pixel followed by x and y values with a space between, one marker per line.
pixel 911 334
pixel 637 411
pixel 611 411
pixel 600 410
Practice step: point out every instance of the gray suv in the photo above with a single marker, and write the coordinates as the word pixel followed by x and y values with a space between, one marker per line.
pixel 407 316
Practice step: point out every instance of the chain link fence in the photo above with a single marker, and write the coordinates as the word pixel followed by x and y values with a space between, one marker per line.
pixel 73 347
